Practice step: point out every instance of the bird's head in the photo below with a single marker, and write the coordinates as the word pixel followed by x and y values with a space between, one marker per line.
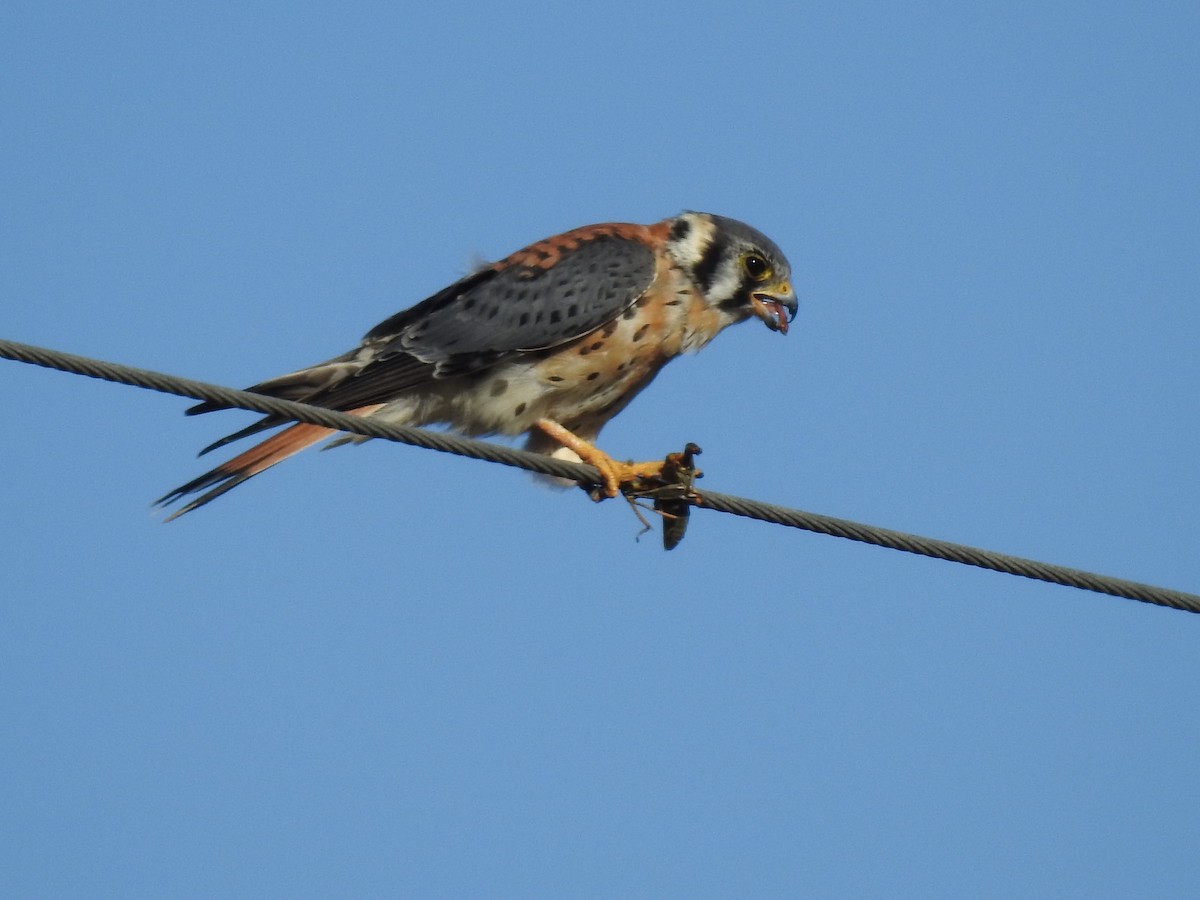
pixel 738 269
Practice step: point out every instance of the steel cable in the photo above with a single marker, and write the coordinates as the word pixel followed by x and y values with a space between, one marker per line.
pixel 584 474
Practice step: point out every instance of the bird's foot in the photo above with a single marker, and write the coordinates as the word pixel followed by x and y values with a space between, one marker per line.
pixel 630 478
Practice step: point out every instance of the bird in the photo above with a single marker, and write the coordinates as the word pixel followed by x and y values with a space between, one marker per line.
pixel 551 342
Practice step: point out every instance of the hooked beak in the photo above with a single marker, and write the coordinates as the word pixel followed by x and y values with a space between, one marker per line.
pixel 776 306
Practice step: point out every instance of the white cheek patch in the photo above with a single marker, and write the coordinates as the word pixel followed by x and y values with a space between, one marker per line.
pixel 699 236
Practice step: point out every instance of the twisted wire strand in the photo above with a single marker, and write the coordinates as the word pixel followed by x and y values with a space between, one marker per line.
pixel 585 474
pixel 952 552
pixel 299 412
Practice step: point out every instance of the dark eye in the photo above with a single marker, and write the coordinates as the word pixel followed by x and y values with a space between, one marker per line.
pixel 756 267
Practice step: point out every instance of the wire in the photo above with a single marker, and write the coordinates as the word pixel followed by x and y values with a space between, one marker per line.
pixel 584 474
pixel 299 412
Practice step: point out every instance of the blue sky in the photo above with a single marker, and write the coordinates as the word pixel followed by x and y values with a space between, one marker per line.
pixel 384 672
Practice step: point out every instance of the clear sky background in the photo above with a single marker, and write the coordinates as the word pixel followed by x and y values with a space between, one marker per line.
pixel 382 671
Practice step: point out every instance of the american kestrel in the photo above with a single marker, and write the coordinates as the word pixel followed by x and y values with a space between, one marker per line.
pixel 552 341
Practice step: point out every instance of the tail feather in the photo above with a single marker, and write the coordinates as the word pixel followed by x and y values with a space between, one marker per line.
pixel 230 482
pixel 246 465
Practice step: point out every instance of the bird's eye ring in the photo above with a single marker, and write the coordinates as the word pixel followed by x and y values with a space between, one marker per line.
pixel 756 267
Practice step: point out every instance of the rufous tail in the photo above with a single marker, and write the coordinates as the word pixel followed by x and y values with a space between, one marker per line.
pixel 244 466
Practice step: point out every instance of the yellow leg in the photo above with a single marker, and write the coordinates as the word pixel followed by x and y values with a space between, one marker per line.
pixel 613 473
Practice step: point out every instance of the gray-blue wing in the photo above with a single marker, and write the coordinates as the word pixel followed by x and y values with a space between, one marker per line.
pixel 549 294
pixel 531 307
pixel 494 314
